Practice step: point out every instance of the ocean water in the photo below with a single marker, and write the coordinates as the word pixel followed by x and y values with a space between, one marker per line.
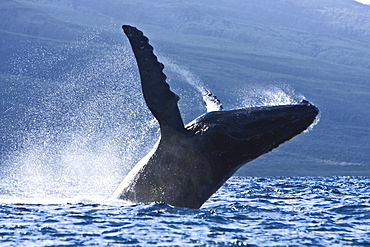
pixel 246 211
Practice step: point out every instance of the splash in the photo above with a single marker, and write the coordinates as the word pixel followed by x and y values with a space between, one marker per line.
pixel 273 95
pixel 83 123
pixel 365 2
pixel 209 99
pixel 184 74
pixel 315 122
pixel 212 103
pixel 269 95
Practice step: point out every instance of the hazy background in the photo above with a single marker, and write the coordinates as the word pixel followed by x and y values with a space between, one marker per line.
pixel 70 101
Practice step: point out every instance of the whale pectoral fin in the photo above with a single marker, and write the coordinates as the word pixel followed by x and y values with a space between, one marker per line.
pixel 161 101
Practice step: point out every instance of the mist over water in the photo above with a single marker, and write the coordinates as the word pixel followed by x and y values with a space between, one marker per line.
pixel 253 95
pixel 184 74
pixel 80 131
pixel 269 95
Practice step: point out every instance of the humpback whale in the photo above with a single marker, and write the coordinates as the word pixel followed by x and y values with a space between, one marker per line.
pixel 189 163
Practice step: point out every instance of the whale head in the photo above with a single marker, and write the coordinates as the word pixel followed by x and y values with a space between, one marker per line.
pixel 235 137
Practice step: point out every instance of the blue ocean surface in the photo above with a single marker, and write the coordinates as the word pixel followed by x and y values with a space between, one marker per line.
pixel 246 211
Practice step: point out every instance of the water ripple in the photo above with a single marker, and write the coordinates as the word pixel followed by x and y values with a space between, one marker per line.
pixel 321 211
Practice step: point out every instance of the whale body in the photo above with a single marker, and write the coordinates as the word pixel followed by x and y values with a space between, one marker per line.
pixel 189 163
